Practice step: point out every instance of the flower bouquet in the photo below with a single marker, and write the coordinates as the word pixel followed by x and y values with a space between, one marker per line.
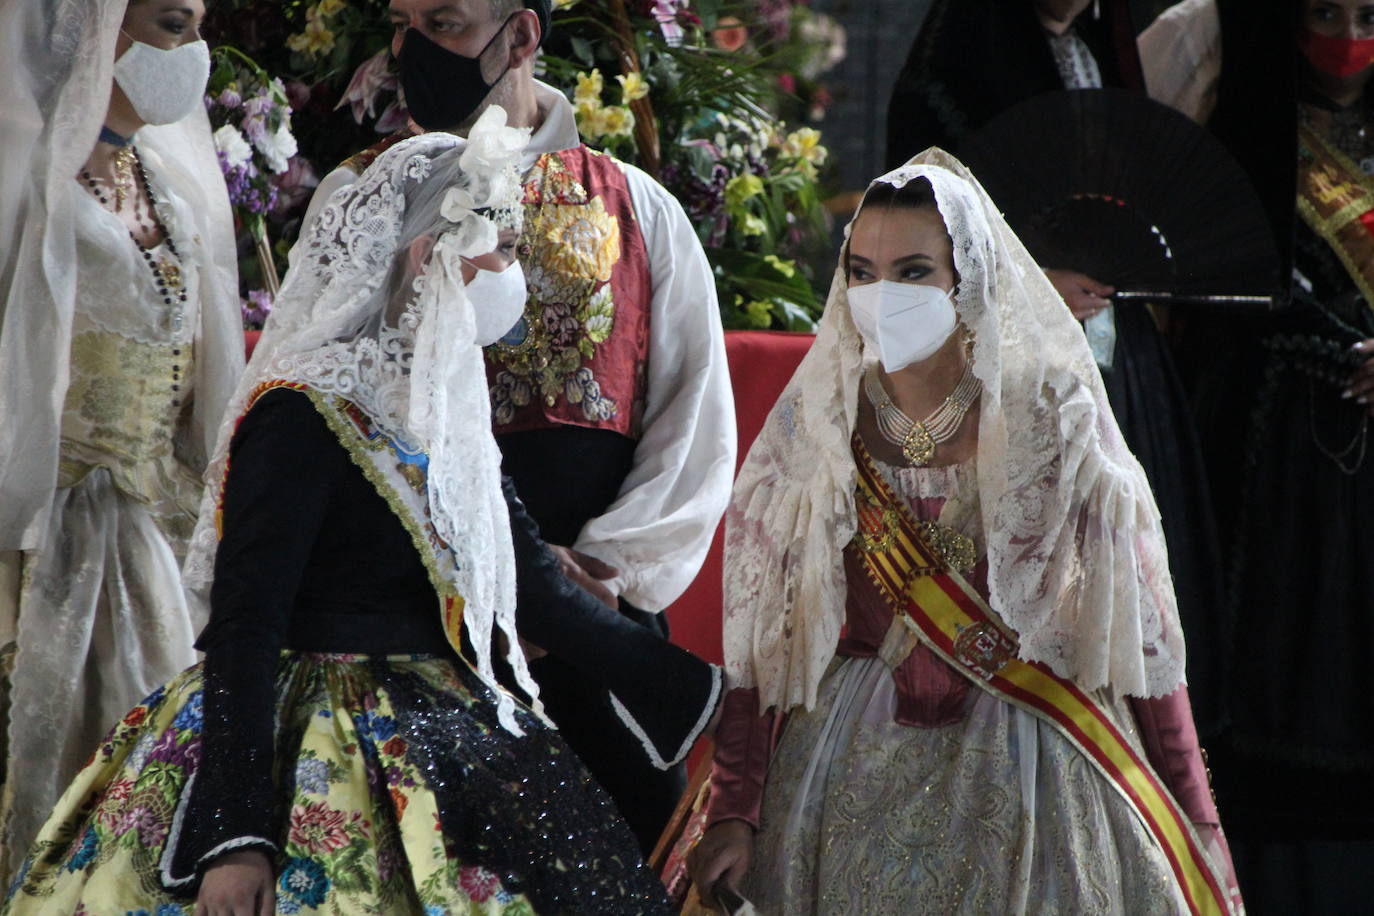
pixel 251 118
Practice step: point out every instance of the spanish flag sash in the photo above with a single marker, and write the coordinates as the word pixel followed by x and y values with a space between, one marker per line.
pixel 1336 200
pixel 400 476
pixel 950 617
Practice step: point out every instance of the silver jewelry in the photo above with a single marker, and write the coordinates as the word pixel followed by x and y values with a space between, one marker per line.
pixel 918 439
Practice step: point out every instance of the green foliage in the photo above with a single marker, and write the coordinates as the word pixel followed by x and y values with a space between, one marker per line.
pixel 715 73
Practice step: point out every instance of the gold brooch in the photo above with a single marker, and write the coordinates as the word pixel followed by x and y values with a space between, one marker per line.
pixel 957 551
pixel 171 273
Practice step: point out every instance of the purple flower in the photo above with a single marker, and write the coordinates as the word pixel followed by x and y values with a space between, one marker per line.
pixel 177 753
pixel 151 828
pixel 230 98
pixel 255 312
pixel 255 114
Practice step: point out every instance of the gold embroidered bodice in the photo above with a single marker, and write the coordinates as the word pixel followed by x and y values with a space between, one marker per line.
pixel 125 402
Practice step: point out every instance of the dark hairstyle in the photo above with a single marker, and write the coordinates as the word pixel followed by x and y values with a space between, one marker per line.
pixel 915 193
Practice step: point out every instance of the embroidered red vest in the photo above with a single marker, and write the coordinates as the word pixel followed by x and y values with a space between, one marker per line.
pixel 579 354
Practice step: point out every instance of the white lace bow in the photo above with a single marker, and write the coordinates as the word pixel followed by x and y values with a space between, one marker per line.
pixel 1076 557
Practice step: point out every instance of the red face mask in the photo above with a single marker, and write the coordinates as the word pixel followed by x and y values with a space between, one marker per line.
pixel 1341 57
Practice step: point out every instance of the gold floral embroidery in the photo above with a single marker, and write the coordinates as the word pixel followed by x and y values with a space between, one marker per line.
pixel 570 246
pixel 957 551
pixel 584 241
pixel 123 409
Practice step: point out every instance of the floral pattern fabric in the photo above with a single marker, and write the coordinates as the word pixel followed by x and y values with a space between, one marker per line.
pixel 577 354
pixel 364 829
pixel 124 407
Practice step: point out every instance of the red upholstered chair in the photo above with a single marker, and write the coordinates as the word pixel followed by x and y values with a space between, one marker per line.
pixel 761 364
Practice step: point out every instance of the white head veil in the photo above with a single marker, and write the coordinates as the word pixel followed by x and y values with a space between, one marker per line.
pixel 58 62
pixel 356 317
pixel 1076 557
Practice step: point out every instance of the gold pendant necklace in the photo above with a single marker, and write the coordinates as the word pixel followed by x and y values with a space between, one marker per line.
pixel 918 439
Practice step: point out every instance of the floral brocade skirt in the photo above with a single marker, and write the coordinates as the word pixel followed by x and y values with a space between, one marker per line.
pixel 399 794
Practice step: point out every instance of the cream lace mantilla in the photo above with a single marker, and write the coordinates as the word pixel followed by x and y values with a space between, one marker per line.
pixel 1076 557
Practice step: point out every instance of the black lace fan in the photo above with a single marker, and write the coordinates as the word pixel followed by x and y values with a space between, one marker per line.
pixel 1130 192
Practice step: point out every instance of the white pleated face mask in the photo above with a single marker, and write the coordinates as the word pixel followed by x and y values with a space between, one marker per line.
pixel 164 86
pixel 903 323
pixel 498 299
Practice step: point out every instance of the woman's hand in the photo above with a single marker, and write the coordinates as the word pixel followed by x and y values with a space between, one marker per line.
pixel 722 854
pixel 1361 383
pixel 239 884
pixel 1084 296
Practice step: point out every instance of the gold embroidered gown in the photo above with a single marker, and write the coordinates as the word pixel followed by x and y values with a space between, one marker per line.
pixel 908 790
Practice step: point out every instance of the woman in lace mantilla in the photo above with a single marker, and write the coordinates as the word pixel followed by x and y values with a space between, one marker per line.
pixel 121 343
pixel 866 763
pixel 346 744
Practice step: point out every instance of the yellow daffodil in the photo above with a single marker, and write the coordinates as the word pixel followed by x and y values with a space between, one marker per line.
pixel 317 40
pixel 589 86
pixel 759 313
pixel 565 4
pixel 591 119
pixel 620 121
pixel 786 268
pixel 326 9
pixel 805 142
pixel 632 86
pixel 749 224
pixel 741 188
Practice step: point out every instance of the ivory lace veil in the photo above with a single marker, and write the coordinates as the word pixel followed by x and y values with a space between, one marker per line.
pixel 375 311
pixel 1076 557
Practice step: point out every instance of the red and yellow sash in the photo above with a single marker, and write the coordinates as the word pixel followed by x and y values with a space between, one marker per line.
pixel 953 620
pixel 1337 201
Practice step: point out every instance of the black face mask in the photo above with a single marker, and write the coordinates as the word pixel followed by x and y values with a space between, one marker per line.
pixel 442 88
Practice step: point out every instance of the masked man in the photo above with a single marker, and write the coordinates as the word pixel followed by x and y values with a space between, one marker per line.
pixel 610 397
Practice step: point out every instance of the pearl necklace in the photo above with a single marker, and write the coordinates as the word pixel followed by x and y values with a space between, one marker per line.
pixel 917 440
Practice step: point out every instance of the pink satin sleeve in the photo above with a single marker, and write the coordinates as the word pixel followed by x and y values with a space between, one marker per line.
pixel 1170 739
pixel 744 744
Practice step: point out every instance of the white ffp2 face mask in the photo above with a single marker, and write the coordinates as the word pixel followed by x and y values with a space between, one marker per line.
pixel 498 299
pixel 903 323
pixel 164 86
